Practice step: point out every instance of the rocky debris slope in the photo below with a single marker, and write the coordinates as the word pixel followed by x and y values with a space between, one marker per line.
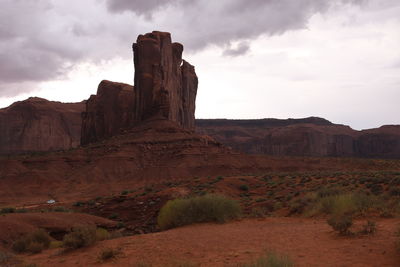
pixel 303 137
pixel 37 124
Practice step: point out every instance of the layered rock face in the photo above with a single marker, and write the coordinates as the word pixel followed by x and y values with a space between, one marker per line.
pixel 382 142
pixel 165 85
pixel 303 137
pixel 37 124
pixel 165 88
pixel 108 112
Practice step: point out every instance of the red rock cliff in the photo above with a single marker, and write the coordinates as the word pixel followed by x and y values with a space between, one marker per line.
pixel 165 86
pixel 108 112
pixel 37 124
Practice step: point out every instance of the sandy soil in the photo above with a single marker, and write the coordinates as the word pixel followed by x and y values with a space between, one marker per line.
pixel 13 226
pixel 309 242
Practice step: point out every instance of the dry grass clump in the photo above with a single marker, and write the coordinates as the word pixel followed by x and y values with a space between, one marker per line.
pixel 34 242
pixel 271 260
pixel 80 237
pixel 108 254
pixel 207 208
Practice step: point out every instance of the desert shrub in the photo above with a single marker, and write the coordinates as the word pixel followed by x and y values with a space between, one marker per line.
pixel 56 244
pixel 259 212
pixel 349 203
pixel 79 204
pixel 113 216
pixel 34 242
pixel 376 189
pixel 207 208
pixel 271 260
pixel 80 237
pixel 120 225
pixel 6 258
pixel 20 245
pixel 369 228
pixel 60 209
pixel 35 247
pixel 328 191
pixel 7 210
pixel 107 254
pixel 21 210
pixel 341 223
pixel 102 234
pixel 244 187
pixel 124 192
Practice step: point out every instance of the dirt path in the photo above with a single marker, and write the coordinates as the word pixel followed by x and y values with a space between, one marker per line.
pixel 308 242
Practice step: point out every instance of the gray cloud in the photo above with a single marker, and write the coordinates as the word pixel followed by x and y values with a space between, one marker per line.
pixel 241 49
pixel 202 22
pixel 42 40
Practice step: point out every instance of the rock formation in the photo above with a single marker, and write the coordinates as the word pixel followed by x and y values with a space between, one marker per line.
pixel 303 137
pixel 165 86
pixel 37 124
pixel 108 112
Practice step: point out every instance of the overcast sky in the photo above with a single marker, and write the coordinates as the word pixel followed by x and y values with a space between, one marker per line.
pixel 337 59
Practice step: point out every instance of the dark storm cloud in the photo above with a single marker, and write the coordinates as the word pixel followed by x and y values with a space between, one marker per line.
pixel 138 6
pixel 42 40
pixel 202 22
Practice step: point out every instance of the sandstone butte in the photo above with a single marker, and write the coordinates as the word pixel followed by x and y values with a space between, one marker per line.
pixel 165 88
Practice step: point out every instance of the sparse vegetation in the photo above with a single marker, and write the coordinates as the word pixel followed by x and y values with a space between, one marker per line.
pixel 7 210
pixel 6 258
pixel 102 234
pixel 271 260
pixel 344 203
pixel 369 228
pixel 108 254
pixel 60 209
pixel 244 187
pixel 207 208
pixel 34 242
pixel 341 223
pixel 80 237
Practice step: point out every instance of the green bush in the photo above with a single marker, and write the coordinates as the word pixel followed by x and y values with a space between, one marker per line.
pixel 349 203
pixel 271 260
pixel 34 242
pixel 341 223
pixel 207 208
pixel 80 237
pixel 102 234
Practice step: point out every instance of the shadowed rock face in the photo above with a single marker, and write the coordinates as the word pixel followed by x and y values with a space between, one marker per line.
pixel 108 112
pixel 165 86
pixel 303 137
pixel 37 124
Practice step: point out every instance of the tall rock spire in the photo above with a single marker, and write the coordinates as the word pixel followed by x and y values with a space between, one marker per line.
pixel 165 86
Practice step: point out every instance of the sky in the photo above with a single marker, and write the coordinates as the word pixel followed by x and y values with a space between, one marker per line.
pixel 336 59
